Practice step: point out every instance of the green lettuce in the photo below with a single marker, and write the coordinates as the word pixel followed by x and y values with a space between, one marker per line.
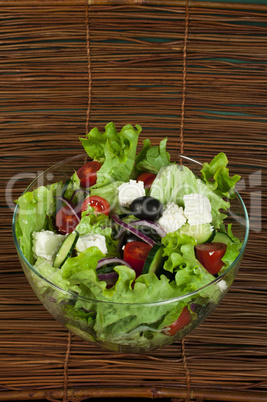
pixel 216 176
pixel 54 275
pixel 35 209
pixel 152 158
pixel 233 248
pixel 175 181
pixel 86 260
pixel 115 321
pixel 190 275
pixel 116 152
pixel 92 218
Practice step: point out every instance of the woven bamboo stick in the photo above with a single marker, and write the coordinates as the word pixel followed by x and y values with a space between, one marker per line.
pixel 159 3
pixel 122 393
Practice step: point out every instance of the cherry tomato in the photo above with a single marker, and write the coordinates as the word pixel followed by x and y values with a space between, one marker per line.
pixel 183 320
pixel 98 203
pixel 66 222
pixel 87 173
pixel 210 256
pixel 135 253
pixel 147 178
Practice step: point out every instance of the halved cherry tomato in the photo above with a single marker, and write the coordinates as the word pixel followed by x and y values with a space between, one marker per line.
pixel 210 256
pixel 183 320
pixel 98 203
pixel 147 178
pixel 87 173
pixel 66 222
pixel 135 253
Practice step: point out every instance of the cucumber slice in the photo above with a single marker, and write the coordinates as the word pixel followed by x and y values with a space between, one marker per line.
pixel 66 249
pixel 222 238
pixel 154 260
pixel 203 233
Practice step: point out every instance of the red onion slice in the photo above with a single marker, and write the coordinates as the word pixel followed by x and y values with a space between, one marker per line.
pixel 110 277
pixel 131 229
pixel 111 260
pixel 153 225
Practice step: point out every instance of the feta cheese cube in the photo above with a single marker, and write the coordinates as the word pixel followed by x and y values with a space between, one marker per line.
pixel 46 244
pixel 197 209
pixel 172 218
pixel 90 240
pixel 130 191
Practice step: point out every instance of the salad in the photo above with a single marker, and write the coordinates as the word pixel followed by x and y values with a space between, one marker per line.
pixel 128 229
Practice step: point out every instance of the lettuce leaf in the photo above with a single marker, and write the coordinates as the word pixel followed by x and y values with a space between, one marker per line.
pixel 174 181
pixel 35 208
pixel 233 248
pixel 115 321
pixel 92 218
pixel 125 319
pixel 152 158
pixel 54 275
pixel 221 182
pixel 115 150
pixel 86 260
pixel 190 275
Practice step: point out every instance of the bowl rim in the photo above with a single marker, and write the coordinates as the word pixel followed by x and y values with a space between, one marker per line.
pixel 76 296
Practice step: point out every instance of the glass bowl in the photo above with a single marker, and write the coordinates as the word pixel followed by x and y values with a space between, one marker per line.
pixel 78 314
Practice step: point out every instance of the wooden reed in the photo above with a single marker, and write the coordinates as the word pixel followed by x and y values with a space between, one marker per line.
pixel 135 60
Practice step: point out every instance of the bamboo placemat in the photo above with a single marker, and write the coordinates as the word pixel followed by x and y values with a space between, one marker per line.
pixel 195 72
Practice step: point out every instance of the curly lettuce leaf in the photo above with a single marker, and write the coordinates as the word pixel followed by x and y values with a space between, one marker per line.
pixel 175 181
pixel 152 158
pixel 216 176
pixel 86 260
pixel 35 209
pixel 92 218
pixel 114 321
pixel 116 152
pixel 233 248
pixel 142 153
pixel 172 243
pixel 54 275
pixel 190 275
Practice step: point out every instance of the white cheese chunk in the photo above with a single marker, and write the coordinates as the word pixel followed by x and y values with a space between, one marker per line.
pixel 130 191
pixel 46 244
pixel 172 218
pixel 90 240
pixel 197 209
